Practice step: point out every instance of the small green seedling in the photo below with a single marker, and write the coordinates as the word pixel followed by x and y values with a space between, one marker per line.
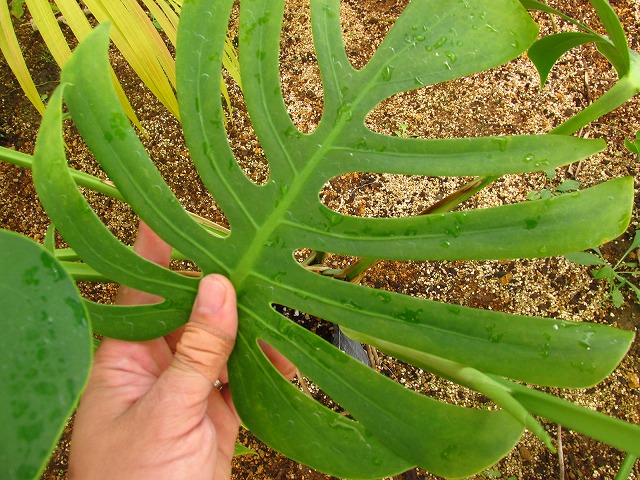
pixel 545 193
pixel 402 131
pixel 17 8
pixel 633 145
pixel 616 275
pixel 493 473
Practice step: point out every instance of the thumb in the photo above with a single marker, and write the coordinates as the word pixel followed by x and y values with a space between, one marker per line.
pixel 206 343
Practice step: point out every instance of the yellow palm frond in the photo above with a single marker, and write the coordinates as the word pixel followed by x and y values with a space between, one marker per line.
pixel 141 45
pixel 81 27
pixel 133 32
pixel 12 53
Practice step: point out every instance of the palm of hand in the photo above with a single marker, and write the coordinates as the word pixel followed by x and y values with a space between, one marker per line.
pixel 150 409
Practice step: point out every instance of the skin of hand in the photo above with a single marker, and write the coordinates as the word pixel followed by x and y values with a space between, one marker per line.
pixel 150 409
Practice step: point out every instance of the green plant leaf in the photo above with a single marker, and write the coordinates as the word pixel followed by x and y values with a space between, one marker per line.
pixel 242 450
pixel 635 289
pixel 568 186
pixel 585 258
pixel 606 271
pixel 95 244
pixel 46 354
pixel 626 467
pixel 626 87
pixel 616 297
pixel 548 50
pixel 612 431
pixel 631 146
pixel 613 47
pixel 485 340
pixel 398 426
pixel 17 8
pixel 432 41
pixel 619 54
pixel 634 244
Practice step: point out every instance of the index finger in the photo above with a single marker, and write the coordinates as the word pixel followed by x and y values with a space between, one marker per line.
pixel 151 247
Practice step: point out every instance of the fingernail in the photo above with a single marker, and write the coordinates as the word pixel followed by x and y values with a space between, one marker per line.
pixel 211 294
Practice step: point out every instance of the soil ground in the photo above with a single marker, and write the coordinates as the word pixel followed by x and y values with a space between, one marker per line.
pixel 504 100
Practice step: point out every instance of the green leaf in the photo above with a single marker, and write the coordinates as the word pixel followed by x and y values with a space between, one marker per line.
pixel 619 54
pixel 17 8
pixel 613 47
pixel 626 467
pixel 552 352
pixel 635 289
pixel 616 297
pixel 585 258
pixel 605 272
pixel 385 433
pixel 525 230
pixel 346 448
pixel 568 186
pixel 548 50
pixel 632 147
pixel 45 354
pixel 50 239
pixel 461 374
pixel 79 225
pixel 612 431
pixel 545 194
pixel 240 449
pixel 634 244
pixel 534 195
pixel 397 425
pixel 626 87
pixel 423 49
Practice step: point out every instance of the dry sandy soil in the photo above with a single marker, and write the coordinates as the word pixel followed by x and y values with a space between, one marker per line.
pixel 505 100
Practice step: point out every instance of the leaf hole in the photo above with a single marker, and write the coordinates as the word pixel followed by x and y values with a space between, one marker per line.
pixel 364 26
pixel 400 372
pixel 240 133
pixel 315 325
pixel 373 195
pixel 300 380
pixel 299 72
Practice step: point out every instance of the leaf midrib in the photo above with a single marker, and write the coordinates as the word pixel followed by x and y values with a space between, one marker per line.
pixel 327 141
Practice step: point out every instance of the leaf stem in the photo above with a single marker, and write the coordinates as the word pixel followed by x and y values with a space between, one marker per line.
pixel 626 467
pixel 83 179
pixel 98 185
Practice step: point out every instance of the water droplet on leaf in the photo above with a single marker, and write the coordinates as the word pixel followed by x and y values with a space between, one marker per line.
pixel 441 41
pixel 387 72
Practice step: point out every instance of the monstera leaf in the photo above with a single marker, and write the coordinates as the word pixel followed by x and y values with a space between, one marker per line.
pixel 389 428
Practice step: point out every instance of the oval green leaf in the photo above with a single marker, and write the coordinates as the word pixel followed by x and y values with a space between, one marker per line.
pixel 46 354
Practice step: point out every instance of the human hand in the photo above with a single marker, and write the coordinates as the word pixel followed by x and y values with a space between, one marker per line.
pixel 149 413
